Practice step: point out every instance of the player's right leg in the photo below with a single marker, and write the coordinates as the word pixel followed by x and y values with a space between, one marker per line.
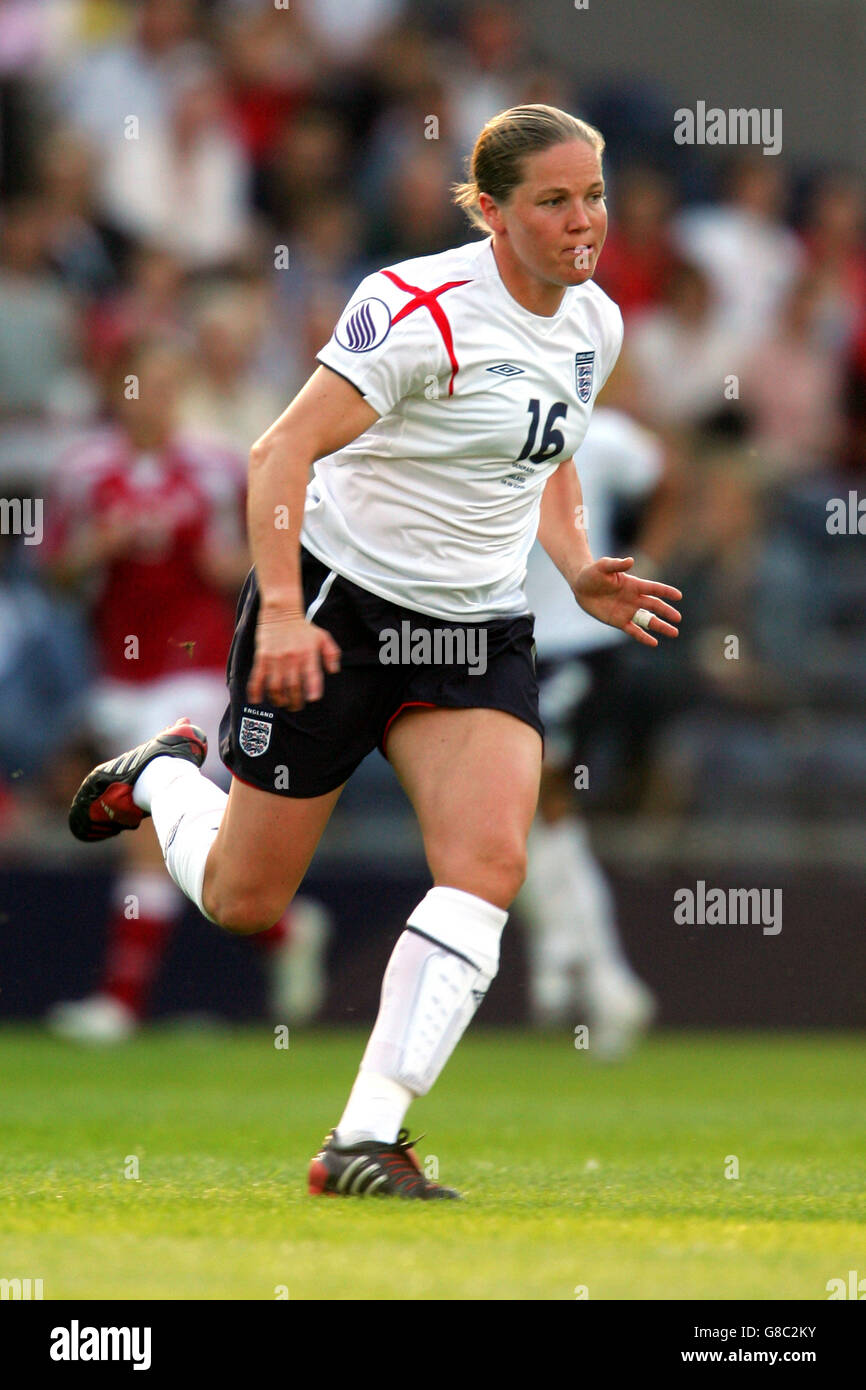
pixel 260 855
pixel 239 857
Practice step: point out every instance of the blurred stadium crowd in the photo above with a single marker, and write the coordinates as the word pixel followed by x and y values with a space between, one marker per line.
pixel 190 193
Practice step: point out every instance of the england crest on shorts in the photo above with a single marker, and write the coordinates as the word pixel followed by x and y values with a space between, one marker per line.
pixel 583 365
pixel 254 736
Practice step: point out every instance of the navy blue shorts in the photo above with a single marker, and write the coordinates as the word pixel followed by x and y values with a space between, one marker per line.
pixel 392 658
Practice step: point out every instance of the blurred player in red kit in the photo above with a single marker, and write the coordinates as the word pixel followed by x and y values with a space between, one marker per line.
pixel 149 524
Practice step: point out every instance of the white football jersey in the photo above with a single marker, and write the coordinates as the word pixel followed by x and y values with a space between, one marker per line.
pixel 436 506
pixel 618 460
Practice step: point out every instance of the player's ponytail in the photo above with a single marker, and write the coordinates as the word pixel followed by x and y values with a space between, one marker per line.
pixel 496 163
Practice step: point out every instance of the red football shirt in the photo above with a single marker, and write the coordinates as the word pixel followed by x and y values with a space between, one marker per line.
pixel 179 499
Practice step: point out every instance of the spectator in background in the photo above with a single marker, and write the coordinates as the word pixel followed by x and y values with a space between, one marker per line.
pixel 487 69
pixel 151 301
pixel 853 452
pixel 325 262
pixel 546 85
pixel 682 352
pixel 310 160
pixel 76 247
pixel 749 256
pixel 37 40
pixel 791 389
pixel 347 34
pixel 322 309
pixel 224 396
pixel 416 109
pixel 132 76
pixel 836 257
pixel 270 68
pixel 416 215
pixel 185 183
pixel 39 348
pixel 327 246
pixel 638 255
pixel 721 714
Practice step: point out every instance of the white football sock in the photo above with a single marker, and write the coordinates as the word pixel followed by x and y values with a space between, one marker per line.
pixel 187 809
pixel 158 774
pixel 374 1110
pixel 439 971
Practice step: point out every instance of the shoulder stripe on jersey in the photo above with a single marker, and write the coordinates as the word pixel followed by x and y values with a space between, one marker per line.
pixel 429 299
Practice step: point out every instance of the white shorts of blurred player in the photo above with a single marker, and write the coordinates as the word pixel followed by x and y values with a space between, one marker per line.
pixel 123 714
pixel 576 962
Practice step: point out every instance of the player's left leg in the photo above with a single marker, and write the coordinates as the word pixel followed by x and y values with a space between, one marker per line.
pixel 472 776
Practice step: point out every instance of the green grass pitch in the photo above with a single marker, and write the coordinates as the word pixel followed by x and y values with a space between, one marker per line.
pixel 577 1176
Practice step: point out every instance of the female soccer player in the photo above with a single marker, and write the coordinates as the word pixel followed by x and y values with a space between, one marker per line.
pixel 385 608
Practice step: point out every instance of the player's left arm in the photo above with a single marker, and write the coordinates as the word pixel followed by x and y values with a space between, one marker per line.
pixel 601 587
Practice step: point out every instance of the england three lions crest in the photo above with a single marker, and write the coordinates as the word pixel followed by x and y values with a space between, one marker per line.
pixel 254 737
pixel 584 363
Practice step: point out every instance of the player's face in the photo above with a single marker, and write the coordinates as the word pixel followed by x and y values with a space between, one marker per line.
pixel 556 219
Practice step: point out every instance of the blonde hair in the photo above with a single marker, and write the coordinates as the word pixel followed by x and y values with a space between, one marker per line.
pixel 495 165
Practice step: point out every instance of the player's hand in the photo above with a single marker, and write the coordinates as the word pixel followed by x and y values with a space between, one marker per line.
pixel 113 536
pixel 123 534
pixel 606 592
pixel 291 657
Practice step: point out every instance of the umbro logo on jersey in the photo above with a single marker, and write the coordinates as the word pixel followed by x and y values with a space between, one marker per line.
pixel 364 326
pixel 506 369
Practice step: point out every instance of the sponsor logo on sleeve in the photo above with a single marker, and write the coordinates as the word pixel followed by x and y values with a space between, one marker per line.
pixel 364 326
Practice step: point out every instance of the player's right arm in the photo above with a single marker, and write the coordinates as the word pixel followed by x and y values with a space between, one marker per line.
pixel 326 415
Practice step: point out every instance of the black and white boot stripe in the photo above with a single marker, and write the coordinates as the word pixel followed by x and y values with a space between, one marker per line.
pixel 371 1168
